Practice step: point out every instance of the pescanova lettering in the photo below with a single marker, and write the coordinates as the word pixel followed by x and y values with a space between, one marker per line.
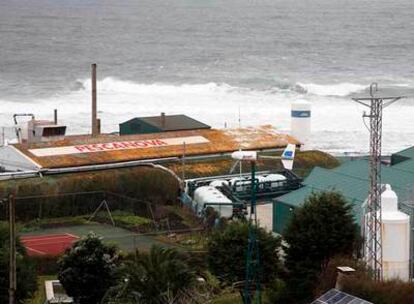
pixel 118 145
pixel 121 145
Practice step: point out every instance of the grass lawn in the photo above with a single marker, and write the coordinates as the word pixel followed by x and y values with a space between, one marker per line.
pixel 126 240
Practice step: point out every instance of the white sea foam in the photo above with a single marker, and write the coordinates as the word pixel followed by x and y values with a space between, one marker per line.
pixel 336 121
pixel 340 89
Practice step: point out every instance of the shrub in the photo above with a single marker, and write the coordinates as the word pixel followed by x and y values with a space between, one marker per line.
pixel 45 264
pixel 227 250
pixel 160 276
pixel 387 292
pixel 26 275
pixel 319 230
pixel 328 277
pixel 45 200
pixel 88 269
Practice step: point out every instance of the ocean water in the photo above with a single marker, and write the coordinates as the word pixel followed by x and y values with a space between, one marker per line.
pixel 210 58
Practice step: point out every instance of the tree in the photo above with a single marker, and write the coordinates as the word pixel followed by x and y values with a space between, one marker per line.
pixel 26 273
pixel 160 276
pixel 227 249
pixel 88 269
pixel 319 230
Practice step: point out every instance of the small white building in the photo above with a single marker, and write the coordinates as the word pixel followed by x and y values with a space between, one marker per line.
pixel 395 238
pixel 56 294
pixel 395 233
pixel 301 122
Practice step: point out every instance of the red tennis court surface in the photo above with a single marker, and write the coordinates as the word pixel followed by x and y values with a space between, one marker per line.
pixel 50 244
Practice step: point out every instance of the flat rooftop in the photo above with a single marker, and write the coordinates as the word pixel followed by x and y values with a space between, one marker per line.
pixel 83 150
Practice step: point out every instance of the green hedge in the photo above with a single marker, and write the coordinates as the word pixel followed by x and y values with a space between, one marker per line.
pixel 143 184
pixel 45 264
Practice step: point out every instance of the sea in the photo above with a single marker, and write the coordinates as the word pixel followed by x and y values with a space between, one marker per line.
pixel 211 60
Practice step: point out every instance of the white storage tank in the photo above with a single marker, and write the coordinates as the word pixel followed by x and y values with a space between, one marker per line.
pixel 395 238
pixel 275 180
pixel 260 180
pixel 219 183
pixel 301 122
pixel 240 183
pixel 210 195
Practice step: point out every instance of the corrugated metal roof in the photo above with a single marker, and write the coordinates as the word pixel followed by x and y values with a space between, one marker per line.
pixel 355 190
pixel 407 165
pixel 409 152
pixel 351 179
pixel 218 141
pixel 172 122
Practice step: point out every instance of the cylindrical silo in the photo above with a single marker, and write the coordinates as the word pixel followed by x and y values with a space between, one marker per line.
pixel 301 122
pixel 395 238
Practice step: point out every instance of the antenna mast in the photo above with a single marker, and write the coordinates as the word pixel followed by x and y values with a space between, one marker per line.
pixel 373 216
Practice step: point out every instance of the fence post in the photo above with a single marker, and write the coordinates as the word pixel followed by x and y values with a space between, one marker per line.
pixel 12 250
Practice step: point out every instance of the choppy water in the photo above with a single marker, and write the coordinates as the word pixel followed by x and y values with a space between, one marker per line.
pixel 207 58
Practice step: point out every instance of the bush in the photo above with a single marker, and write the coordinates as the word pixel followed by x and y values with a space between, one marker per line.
pixel 45 264
pixel 388 292
pixel 145 184
pixel 26 275
pixel 160 276
pixel 328 276
pixel 227 250
pixel 319 230
pixel 88 269
pixel 126 220
pixel 275 292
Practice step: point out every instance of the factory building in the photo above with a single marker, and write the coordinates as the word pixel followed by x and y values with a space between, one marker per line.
pixel 161 123
pixel 85 150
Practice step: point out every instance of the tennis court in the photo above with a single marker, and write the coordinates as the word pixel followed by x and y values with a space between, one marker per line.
pixel 50 244
pixel 54 241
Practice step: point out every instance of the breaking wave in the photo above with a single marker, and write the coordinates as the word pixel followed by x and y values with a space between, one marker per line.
pixel 336 122
pixel 340 89
pixel 114 85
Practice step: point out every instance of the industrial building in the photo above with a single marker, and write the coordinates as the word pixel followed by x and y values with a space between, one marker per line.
pixel 161 123
pixel 86 150
pixel 351 179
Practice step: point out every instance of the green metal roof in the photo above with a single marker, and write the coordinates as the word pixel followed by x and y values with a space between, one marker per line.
pixel 407 166
pixel 351 179
pixel 170 122
pixel 402 156
pixel 409 152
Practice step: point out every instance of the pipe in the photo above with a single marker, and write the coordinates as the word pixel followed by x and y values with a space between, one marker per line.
pixel 154 162
pixel 119 165
pixel 162 120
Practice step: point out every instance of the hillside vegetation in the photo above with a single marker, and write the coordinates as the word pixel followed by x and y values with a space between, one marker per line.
pixel 144 182
pixel 304 163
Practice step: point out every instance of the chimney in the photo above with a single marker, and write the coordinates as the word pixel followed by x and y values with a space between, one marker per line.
pixel 98 124
pixel 94 120
pixel 55 116
pixel 163 120
pixel 343 272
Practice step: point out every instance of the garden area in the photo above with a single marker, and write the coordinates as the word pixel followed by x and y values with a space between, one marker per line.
pixel 209 266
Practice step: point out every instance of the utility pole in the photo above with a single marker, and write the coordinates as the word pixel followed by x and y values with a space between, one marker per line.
pixel 12 250
pixel 252 282
pixel 373 216
pixel 252 285
pixel 183 161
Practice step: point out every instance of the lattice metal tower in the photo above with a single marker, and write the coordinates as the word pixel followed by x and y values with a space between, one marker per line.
pixel 373 216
